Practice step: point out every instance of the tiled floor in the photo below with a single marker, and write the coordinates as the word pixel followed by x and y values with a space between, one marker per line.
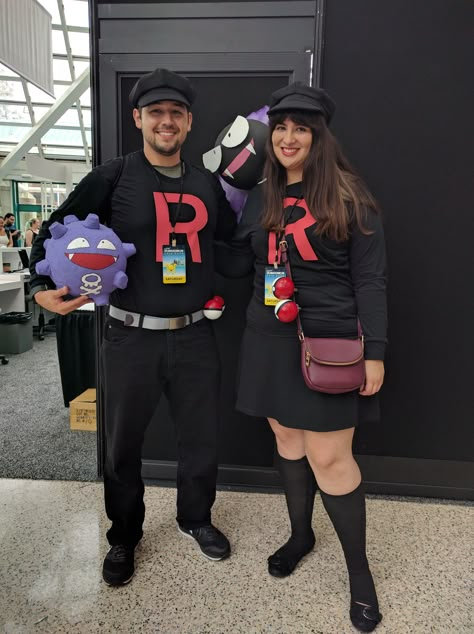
pixel 52 544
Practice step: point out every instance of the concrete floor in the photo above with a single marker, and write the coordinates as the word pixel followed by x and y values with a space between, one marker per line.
pixel 52 546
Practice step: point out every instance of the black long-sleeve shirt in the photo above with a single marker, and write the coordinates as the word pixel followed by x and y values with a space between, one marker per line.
pixel 139 208
pixel 336 281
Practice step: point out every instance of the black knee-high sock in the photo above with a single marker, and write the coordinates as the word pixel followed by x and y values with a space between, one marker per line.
pixel 347 513
pixel 300 488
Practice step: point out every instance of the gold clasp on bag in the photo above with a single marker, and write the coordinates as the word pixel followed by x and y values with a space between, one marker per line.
pixel 307 358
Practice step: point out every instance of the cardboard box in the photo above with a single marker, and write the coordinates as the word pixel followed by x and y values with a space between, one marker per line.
pixel 82 411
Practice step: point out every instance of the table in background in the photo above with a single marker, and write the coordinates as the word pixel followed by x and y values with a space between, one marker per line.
pixel 12 293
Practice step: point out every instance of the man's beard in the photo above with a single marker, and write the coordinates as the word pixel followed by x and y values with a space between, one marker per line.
pixel 164 150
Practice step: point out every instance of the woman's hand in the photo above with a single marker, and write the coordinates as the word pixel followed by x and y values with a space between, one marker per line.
pixel 374 373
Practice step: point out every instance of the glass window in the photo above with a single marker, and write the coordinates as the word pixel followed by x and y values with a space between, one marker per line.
pixel 39 96
pixel 57 136
pixel 4 70
pixel 61 152
pixel 53 193
pixel 59 45
pixel 15 122
pixel 61 69
pixel 65 152
pixel 79 43
pixel 77 13
pixel 13 113
pixel 80 66
pixel 86 98
pixel 11 91
pixel 13 134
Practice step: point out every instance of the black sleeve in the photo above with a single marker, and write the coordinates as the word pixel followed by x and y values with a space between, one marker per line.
pixel 235 258
pixel 91 195
pixel 368 270
pixel 226 218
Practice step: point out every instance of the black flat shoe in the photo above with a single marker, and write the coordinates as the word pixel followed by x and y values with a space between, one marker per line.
pixel 282 564
pixel 364 617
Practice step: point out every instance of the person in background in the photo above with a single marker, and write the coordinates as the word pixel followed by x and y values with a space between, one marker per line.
pixel 5 237
pixel 12 230
pixel 31 233
pixel 313 200
pixel 156 338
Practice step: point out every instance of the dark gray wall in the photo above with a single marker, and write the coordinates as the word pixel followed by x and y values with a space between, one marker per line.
pixel 401 74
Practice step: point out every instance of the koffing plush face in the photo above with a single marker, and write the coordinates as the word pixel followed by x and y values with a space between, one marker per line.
pixel 239 153
pixel 87 257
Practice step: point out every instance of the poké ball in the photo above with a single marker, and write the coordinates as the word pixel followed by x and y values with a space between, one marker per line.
pixel 214 307
pixel 286 310
pixel 283 288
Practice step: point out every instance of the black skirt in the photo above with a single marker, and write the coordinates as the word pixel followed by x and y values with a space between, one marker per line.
pixel 271 385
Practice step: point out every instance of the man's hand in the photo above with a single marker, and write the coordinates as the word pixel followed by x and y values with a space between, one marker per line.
pixel 374 373
pixel 54 302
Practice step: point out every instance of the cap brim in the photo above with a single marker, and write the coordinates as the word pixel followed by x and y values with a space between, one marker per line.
pixel 161 94
pixel 295 104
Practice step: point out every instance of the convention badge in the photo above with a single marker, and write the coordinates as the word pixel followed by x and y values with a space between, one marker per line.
pixel 174 265
pixel 272 274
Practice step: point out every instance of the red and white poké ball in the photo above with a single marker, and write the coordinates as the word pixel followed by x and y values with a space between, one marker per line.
pixel 283 288
pixel 214 307
pixel 286 310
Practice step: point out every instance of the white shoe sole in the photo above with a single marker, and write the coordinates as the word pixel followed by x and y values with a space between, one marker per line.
pixel 197 544
pixel 118 585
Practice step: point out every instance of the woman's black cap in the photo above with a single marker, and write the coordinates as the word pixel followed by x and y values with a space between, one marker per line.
pixel 162 85
pixel 298 96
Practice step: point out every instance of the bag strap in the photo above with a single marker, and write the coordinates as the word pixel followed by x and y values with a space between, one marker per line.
pixel 283 246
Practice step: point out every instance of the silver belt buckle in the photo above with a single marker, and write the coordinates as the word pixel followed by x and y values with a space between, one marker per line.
pixel 178 322
pixel 128 320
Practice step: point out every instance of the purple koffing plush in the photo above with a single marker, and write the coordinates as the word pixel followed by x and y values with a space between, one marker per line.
pixel 87 257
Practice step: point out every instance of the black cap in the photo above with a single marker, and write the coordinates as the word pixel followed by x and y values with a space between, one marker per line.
pixel 298 96
pixel 162 85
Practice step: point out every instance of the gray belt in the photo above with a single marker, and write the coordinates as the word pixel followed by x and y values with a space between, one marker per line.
pixel 154 323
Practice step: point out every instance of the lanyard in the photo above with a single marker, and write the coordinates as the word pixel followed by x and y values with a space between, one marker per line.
pixel 281 233
pixel 174 221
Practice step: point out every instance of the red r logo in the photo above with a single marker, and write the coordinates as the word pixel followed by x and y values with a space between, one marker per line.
pixel 297 229
pixel 191 229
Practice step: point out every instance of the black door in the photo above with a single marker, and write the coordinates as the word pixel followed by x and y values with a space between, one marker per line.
pixel 236 57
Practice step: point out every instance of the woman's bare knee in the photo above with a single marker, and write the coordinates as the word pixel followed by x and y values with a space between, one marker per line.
pixel 290 442
pixel 330 456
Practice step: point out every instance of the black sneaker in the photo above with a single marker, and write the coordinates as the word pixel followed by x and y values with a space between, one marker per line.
pixel 118 565
pixel 213 544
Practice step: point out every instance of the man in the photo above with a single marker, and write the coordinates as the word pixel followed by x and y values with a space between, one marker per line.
pixel 156 339
pixel 9 224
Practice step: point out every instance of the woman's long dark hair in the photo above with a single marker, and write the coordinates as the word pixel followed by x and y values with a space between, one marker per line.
pixel 332 190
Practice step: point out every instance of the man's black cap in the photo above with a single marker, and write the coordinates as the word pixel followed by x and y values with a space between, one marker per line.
pixel 162 85
pixel 298 96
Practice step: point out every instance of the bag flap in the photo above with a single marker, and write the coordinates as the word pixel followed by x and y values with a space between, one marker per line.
pixel 334 351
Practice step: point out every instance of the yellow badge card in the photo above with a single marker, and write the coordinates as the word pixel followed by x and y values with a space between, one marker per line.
pixel 174 265
pixel 272 274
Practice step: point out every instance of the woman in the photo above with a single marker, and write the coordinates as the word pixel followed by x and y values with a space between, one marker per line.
pixel 32 231
pixel 313 198
pixel 5 237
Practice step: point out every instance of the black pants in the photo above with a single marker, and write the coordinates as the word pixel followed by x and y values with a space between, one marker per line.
pixel 138 365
